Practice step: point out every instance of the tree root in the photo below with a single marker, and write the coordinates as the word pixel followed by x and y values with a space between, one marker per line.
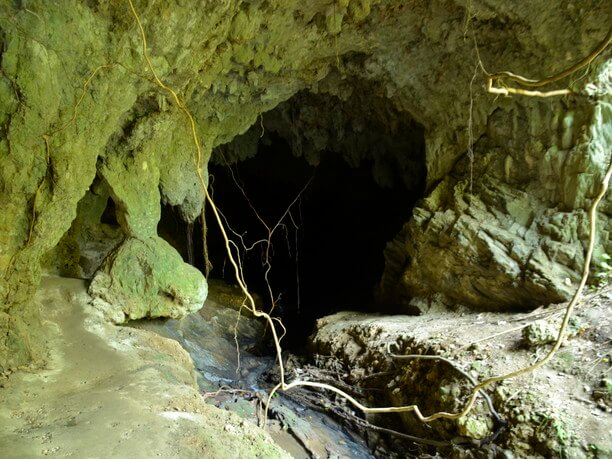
pixel 272 322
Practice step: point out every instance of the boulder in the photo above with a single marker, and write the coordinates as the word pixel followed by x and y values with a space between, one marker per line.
pixel 147 278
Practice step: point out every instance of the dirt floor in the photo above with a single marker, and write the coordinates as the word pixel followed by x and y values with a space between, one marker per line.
pixel 562 410
pixel 114 392
pixel 110 391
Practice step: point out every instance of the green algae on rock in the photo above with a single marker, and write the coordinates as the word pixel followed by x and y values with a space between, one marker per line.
pixel 232 62
pixel 147 279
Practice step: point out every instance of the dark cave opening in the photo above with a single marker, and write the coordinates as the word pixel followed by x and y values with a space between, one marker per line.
pixel 327 254
pixel 186 238
pixel 109 215
pixel 351 195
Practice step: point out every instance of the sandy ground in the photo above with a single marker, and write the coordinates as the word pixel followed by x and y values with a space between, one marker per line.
pixel 114 392
pixel 125 392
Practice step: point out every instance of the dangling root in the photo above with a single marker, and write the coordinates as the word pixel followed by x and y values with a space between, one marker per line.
pixel 272 322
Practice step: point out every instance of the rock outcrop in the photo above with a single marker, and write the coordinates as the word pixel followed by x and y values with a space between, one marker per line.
pixel 509 230
pixel 147 279
pixel 77 112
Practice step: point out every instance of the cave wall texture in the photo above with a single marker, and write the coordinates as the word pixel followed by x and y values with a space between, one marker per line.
pixel 81 121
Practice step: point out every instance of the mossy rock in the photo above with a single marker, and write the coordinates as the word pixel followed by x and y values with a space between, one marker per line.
pixel 147 279
pixel 15 349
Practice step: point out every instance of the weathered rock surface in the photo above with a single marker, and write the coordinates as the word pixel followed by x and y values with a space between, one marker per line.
pixel 497 249
pixel 211 335
pixel 509 231
pixel 226 344
pixel 73 110
pixel 147 279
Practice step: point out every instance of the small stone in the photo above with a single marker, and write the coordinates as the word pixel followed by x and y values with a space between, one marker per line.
pixel 474 427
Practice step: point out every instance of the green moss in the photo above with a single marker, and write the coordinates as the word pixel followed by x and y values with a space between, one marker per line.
pixel 8 100
pixel 474 427
pixel 137 200
pixel 359 10
pixel 147 279
pixel 333 20
pixel 50 68
pixel 64 258
pixel 243 54
pixel 244 27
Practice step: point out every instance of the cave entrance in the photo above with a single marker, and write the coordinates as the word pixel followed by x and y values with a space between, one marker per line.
pixel 353 177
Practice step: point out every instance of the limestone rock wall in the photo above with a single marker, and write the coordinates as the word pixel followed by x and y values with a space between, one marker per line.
pixel 509 231
pixel 79 112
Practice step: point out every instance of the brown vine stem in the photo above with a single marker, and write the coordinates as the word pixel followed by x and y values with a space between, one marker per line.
pixel 204 188
pixel 267 241
pixel 283 385
pixel 504 90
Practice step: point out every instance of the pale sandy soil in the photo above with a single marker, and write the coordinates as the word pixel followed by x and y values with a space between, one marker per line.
pixel 114 392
